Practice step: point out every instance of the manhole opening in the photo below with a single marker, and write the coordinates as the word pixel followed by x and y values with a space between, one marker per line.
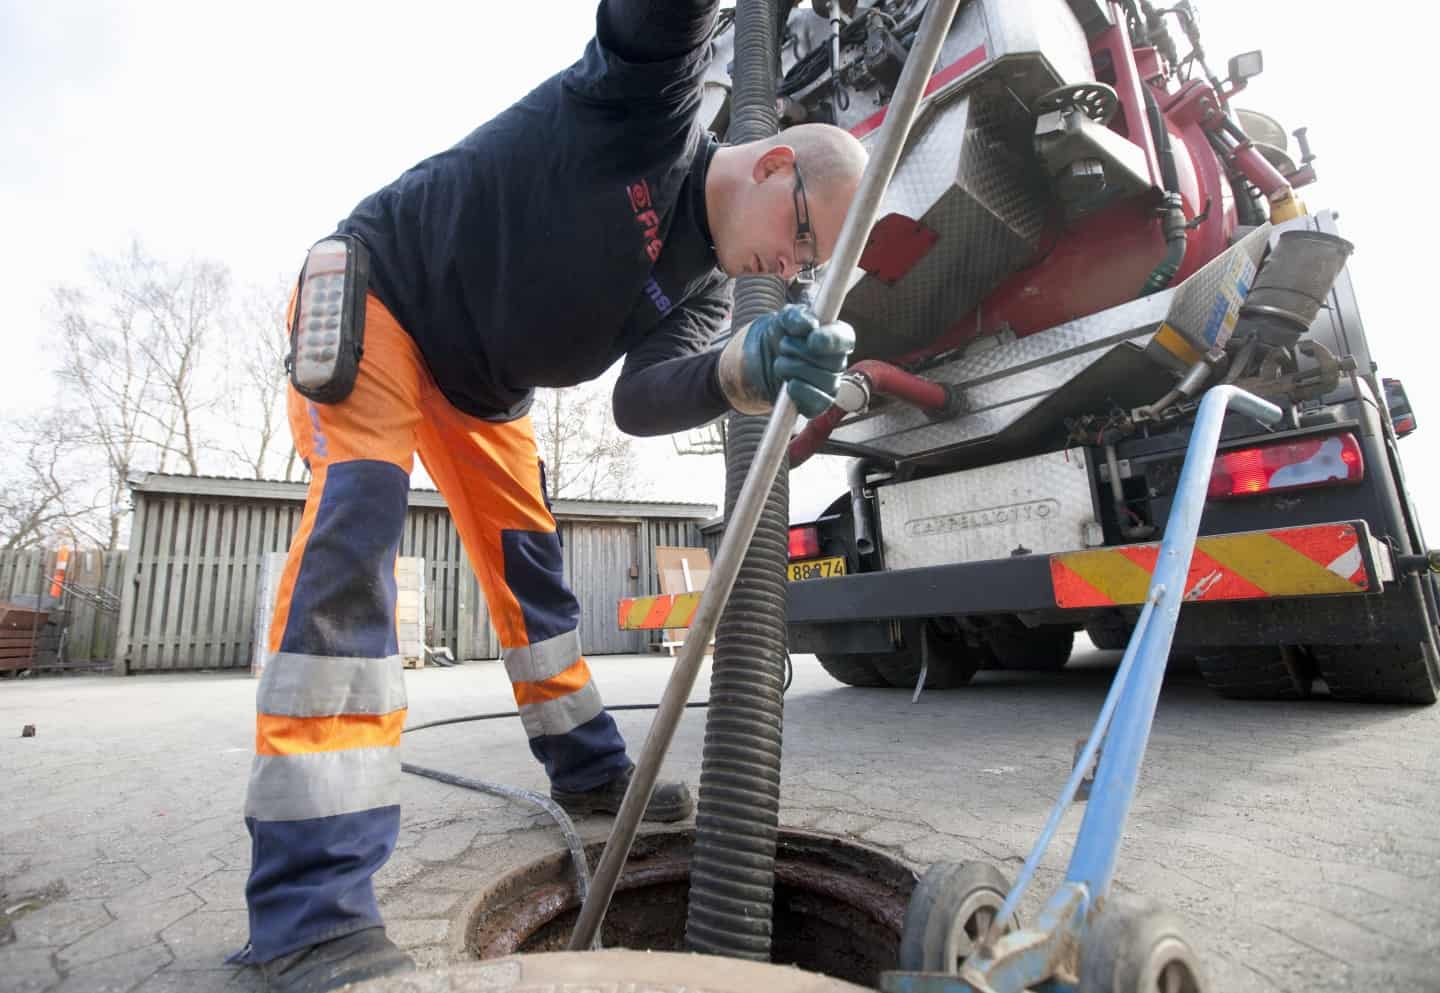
pixel 838 909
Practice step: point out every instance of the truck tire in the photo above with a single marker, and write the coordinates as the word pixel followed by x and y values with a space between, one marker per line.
pixel 1109 633
pixel 1042 649
pixel 853 670
pixel 1265 672
pixel 1384 673
pixel 953 662
pixel 902 671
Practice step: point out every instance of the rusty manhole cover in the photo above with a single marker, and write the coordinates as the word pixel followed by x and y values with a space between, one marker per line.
pixel 839 906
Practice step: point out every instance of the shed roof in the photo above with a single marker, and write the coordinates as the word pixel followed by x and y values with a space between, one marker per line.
pixel 275 489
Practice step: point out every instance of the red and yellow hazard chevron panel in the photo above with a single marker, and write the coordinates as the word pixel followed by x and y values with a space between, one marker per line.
pixel 650 613
pixel 1317 560
pixel 1320 560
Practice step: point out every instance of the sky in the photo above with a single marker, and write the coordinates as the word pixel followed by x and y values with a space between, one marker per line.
pixel 243 132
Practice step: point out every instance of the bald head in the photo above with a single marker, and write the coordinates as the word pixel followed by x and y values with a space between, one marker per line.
pixel 754 203
pixel 828 156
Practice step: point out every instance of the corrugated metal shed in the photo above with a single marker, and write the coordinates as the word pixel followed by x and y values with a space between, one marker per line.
pixel 712 532
pixel 198 544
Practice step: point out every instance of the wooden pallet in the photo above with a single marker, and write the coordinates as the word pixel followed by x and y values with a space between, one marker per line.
pixel 21 634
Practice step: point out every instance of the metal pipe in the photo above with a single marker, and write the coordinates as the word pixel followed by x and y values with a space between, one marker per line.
pixel 853 235
pixel 1077 774
pixel 1188 386
pixel 1117 492
pixel 1098 844
pixel 855 474
pixel 1131 90
pixel 1122 509
pixel 1194 378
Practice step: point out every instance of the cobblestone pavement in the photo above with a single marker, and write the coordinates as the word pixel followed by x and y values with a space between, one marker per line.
pixel 1300 843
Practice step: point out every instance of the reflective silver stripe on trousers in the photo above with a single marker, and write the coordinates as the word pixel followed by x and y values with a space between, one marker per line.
pixel 564 714
pixel 532 663
pixel 295 685
pixel 322 784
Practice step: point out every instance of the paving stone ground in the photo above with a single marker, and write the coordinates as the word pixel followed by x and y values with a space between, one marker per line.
pixel 1299 843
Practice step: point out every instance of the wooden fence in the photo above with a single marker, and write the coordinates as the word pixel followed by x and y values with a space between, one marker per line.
pixel 85 617
pixel 198 546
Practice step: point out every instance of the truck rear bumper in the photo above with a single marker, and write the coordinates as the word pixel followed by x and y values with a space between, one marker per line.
pixel 1320 584
pixel 1318 560
pixel 1317 584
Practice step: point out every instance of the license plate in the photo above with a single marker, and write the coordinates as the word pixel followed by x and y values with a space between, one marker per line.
pixel 817 568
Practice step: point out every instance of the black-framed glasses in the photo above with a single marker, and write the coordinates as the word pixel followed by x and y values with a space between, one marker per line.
pixel 805 257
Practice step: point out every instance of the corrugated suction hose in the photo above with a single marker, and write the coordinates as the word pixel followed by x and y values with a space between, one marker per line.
pixel 732 879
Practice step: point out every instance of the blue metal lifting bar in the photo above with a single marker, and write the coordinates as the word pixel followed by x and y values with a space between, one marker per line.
pixel 1042 957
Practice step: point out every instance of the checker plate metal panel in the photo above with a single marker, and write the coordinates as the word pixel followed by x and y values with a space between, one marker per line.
pixel 1041 505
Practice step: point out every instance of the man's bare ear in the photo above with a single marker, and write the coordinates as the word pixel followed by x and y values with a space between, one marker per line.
pixel 775 159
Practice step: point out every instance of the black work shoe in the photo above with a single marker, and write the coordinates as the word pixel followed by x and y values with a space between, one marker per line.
pixel 669 802
pixel 331 964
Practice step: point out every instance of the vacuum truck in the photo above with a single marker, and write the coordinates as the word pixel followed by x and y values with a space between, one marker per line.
pixel 1085 233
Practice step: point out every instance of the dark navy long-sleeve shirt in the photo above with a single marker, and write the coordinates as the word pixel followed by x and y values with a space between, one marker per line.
pixel 568 232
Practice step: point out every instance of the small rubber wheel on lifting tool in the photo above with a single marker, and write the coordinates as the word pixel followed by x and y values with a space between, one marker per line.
pixel 1133 946
pixel 952 908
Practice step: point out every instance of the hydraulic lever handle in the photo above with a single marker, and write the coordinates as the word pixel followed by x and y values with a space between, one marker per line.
pixel 1302 138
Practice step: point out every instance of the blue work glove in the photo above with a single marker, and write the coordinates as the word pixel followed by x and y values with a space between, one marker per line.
pixel 792 348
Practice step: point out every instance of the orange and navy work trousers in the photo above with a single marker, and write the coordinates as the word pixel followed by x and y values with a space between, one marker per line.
pixel 322 807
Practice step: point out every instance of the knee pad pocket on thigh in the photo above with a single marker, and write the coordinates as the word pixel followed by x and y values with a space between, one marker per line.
pixel 535 574
pixel 344 598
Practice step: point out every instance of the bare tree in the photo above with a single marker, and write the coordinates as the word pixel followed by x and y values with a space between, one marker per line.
pixel 294 468
pixel 47 493
pixel 256 381
pixel 138 362
pixel 112 385
pixel 180 309
pixel 586 456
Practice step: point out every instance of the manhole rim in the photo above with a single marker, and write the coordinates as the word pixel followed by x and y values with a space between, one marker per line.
pixel 889 871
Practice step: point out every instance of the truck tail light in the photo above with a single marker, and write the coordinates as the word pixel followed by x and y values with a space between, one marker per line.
pixel 1291 465
pixel 804 542
pixel 1404 425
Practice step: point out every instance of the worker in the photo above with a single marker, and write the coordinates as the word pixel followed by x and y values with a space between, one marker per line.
pixel 593 220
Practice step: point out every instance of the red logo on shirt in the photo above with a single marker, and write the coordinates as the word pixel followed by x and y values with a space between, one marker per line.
pixel 646 217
